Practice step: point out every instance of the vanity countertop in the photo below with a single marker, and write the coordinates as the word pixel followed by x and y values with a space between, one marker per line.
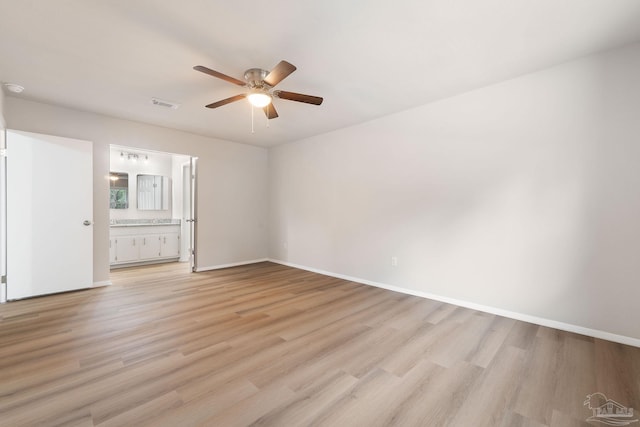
pixel 143 222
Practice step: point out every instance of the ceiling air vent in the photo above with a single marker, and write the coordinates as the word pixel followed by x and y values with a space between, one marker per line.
pixel 164 103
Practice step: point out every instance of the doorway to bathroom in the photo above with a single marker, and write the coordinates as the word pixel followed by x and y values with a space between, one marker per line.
pixel 152 208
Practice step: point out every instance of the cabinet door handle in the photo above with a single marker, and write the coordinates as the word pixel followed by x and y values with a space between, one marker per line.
pixel 165 240
pixel 134 242
pixel 144 240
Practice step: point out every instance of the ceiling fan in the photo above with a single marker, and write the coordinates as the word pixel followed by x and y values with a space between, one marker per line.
pixel 260 84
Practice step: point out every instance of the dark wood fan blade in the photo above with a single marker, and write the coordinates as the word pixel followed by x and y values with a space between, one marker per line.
pixel 279 73
pixel 226 101
pixel 219 75
pixel 292 96
pixel 270 111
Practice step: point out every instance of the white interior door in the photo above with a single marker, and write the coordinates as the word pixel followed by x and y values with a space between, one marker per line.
pixel 189 212
pixel 49 214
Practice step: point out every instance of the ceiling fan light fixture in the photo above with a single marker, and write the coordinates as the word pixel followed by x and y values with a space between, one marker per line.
pixel 259 99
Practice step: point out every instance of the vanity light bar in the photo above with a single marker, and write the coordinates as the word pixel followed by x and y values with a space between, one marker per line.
pixel 133 156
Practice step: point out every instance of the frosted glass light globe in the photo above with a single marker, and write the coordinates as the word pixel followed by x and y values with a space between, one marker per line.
pixel 259 99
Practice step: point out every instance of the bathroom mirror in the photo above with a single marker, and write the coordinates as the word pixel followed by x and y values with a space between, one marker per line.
pixel 118 190
pixel 153 192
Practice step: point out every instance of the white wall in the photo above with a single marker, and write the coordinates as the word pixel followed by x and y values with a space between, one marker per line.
pixel 522 196
pixel 232 179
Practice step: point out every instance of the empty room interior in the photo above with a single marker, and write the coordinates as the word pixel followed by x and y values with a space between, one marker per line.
pixel 412 213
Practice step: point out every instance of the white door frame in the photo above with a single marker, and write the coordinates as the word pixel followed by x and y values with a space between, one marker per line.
pixel 3 213
pixel 189 212
pixel 194 213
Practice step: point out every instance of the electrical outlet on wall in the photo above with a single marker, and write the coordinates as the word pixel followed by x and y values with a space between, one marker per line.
pixel 394 261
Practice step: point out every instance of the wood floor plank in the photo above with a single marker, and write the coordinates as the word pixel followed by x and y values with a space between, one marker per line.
pixel 483 408
pixel 140 413
pixel 490 343
pixel 270 345
pixel 438 395
pixel 209 402
pixel 535 397
pixel 576 358
pixel 358 405
pixel 247 411
pixel 310 401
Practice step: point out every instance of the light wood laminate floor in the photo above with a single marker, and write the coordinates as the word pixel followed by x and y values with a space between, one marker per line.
pixel 271 345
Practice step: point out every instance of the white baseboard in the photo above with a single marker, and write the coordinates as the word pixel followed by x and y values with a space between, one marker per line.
pixel 233 264
pixel 595 333
pixel 102 283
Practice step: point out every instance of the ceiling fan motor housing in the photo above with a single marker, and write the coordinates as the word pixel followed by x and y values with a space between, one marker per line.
pixel 255 77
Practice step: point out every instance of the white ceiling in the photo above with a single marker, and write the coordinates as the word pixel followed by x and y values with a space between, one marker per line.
pixel 366 58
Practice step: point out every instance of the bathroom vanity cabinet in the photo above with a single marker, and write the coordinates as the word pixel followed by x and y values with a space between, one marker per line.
pixel 144 243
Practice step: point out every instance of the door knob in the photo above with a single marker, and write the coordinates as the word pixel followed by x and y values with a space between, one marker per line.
pixel 86 222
